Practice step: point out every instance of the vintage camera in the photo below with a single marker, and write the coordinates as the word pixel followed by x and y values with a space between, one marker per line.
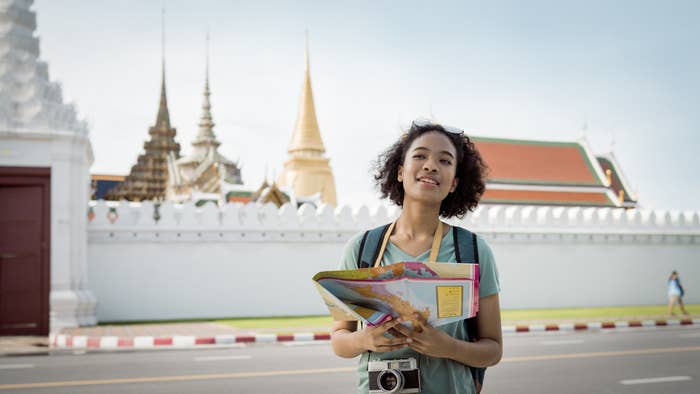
pixel 394 376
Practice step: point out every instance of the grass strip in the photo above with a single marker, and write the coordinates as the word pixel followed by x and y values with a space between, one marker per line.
pixel 600 313
pixel 507 315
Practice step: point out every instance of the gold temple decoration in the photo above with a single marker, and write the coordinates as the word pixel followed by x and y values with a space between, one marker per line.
pixel 306 170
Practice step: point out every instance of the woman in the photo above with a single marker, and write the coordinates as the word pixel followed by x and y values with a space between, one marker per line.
pixel 432 171
pixel 675 293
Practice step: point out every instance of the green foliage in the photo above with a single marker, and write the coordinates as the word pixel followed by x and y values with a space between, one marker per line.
pixel 279 322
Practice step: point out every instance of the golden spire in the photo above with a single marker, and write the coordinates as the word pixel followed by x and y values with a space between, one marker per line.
pixel 163 118
pixel 307 136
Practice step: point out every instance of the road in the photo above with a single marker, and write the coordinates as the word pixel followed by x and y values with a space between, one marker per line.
pixel 635 360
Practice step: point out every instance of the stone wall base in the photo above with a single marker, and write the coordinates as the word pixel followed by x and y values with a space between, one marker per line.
pixel 72 308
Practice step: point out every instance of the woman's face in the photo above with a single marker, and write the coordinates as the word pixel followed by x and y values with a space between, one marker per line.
pixel 428 171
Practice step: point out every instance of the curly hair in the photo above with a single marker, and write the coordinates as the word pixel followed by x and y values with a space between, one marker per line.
pixel 471 171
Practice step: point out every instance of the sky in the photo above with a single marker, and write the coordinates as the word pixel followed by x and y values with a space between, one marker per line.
pixel 624 75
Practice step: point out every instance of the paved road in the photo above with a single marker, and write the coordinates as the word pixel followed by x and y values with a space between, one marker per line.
pixel 637 360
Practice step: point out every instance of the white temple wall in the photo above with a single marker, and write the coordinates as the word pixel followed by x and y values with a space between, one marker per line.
pixel 248 260
pixel 607 270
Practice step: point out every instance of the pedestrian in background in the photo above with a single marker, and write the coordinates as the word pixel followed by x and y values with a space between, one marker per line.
pixel 675 293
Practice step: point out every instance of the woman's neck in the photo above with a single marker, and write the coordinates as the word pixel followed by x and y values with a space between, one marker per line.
pixel 417 220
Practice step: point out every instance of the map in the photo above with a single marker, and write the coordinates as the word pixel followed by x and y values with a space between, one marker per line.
pixel 441 292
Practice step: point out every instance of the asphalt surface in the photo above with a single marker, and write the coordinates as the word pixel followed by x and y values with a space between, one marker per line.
pixel 635 360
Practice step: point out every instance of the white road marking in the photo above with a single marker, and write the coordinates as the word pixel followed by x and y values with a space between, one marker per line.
pixel 16 366
pixel 563 342
pixel 223 358
pixel 656 380
pixel 692 335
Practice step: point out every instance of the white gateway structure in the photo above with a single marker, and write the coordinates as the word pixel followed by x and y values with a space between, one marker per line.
pixel 45 155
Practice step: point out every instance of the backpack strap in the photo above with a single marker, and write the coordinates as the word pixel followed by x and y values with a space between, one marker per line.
pixel 467 251
pixel 369 247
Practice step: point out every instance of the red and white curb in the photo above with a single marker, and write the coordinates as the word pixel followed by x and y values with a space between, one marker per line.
pixel 149 342
pixel 59 341
pixel 598 325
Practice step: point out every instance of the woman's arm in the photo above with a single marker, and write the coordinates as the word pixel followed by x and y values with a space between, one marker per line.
pixel 485 352
pixel 348 342
pixel 344 339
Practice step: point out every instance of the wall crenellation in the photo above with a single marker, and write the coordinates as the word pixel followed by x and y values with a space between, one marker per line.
pixel 147 216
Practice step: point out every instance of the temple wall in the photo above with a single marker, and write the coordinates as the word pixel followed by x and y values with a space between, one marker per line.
pixel 248 260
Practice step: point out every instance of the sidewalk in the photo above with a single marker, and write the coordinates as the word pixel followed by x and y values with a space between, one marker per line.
pixel 209 334
pixel 23 346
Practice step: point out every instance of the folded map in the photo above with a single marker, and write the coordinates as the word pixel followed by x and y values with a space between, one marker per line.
pixel 441 292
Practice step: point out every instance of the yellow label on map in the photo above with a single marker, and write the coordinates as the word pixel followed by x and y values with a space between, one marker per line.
pixel 449 301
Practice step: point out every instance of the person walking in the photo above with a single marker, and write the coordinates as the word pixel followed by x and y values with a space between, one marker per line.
pixel 675 293
pixel 432 171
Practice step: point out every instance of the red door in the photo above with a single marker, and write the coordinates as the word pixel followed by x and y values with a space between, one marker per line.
pixel 24 251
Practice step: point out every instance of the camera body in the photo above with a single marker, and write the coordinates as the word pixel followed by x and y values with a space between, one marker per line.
pixel 394 376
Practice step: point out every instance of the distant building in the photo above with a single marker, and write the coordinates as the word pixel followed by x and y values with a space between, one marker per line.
pixel 149 176
pixel 552 173
pixel 205 170
pixel 307 172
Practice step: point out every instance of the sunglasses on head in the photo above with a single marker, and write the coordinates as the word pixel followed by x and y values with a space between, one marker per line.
pixel 422 122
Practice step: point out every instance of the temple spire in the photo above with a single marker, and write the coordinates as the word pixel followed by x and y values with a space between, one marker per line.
pixel 206 123
pixel 307 136
pixel 163 118
pixel 307 171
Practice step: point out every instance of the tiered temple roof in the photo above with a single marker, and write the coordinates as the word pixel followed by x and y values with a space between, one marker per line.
pixel 205 169
pixel 149 176
pixel 551 173
pixel 29 101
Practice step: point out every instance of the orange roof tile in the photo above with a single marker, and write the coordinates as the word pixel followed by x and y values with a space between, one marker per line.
pixel 244 200
pixel 537 162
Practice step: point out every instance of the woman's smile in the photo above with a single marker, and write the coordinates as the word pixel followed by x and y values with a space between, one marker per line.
pixel 428 181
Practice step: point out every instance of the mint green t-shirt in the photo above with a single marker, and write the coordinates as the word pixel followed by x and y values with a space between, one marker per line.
pixel 438 375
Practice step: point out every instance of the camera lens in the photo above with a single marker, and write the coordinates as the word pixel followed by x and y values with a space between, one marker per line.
pixel 390 381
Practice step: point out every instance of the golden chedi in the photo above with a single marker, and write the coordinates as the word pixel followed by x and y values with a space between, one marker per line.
pixel 307 172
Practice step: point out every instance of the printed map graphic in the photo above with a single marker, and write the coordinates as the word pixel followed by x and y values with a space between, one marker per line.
pixel 401 289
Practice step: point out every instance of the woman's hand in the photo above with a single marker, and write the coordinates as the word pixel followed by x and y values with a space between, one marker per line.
pixel 427 339
pixel 373 337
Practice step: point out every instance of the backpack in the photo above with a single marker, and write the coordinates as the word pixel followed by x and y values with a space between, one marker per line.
pixel 466 251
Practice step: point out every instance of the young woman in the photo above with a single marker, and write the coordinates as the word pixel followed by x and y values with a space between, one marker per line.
pixel 675 293
pixel 432 171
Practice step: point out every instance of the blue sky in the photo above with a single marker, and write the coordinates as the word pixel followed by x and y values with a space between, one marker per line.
pixel 627 70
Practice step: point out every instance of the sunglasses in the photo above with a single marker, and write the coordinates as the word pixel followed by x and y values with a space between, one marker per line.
pixel 422 122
